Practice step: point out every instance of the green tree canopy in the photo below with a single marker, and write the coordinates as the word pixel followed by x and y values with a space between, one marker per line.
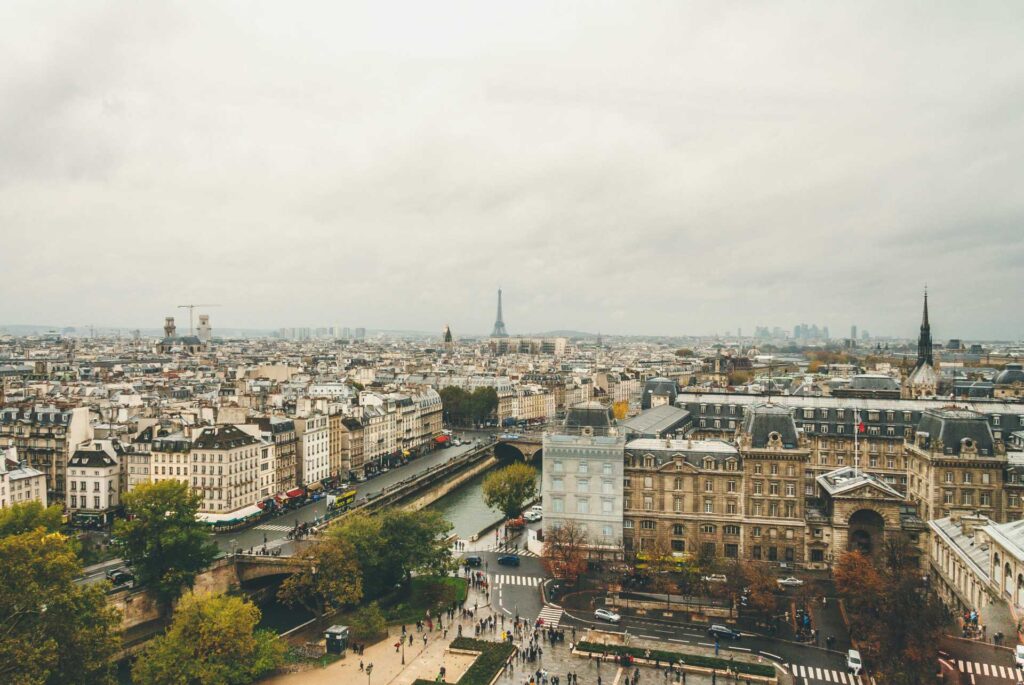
pixel 363 533
pixel 212 640
pixel 368 623
pixel 509 488
pixel 165 544
pixel 468 408
pixel 415 542
pixel 53 630
pixel 332 579
pixel 22 517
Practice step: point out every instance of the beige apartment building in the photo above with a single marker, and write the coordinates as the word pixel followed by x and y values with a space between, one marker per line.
pixel 46 437
pixel 19 483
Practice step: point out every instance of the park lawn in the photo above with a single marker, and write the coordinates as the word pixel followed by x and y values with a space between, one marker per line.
pixel 435 593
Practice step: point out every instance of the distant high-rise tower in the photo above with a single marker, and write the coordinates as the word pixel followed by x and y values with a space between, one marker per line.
pixel 204 331
pixel 499 324
pixel 853 332
pixel 169 328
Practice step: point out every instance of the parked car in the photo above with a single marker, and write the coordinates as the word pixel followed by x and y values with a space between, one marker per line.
pixel 790 582
pixel 509 560
pixel 472 561
pixel 532 515
pixel 607 615
pixel 1018 656
pixel 119 577
pixel 538 508
pixel 715 578
pixel 853 662
pixel 717 630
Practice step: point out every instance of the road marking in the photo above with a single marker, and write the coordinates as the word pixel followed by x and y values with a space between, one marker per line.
pixel 742 649
pixel 773 656
pixel 551 615
pixel 618 674
pixel 828 676
pixel 818 670
pixel 672 639
pixel 705 644
pixel 970 668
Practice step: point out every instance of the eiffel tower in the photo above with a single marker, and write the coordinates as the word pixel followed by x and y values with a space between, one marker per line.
pixel 499 325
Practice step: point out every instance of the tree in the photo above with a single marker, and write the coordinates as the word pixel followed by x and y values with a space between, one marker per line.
pixel 22 517
pixel 761 585
pixel 162 540
pixel 467 408
pixel 896 617
pixel 565 551
pixel 368 623
pixel 482 404
pixel 684 352
pixel 52 630
pixel 415 542
pixel 509 488
pixel 332 579
pixel 363 533
pixel 212 640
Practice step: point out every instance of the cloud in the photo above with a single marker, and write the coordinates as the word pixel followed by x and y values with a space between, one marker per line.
pixel 652 168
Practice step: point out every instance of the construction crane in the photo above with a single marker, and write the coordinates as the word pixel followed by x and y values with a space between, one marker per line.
pixel 191 309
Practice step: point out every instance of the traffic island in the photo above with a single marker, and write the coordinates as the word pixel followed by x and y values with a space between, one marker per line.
pixel 489 662
pixel 739 667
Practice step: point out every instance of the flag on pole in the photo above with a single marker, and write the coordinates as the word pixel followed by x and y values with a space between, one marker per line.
pixel 860 426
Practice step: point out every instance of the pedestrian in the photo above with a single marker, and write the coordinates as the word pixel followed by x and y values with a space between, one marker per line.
pixel 397 645
pixel 360 665
pixel 424 639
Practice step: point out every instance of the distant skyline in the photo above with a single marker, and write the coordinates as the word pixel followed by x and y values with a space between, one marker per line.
pixel 629 168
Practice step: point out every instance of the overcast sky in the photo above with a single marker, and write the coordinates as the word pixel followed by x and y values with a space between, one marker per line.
pixel 629 167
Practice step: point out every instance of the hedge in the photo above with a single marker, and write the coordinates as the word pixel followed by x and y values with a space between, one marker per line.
pixel 688 659
pixel 492 659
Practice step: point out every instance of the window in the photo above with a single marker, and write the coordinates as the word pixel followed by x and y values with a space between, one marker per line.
pixel 790 554
pixel 582 506
pixel 730 486
pixel 709 485
pixel 949 476
pixel 677 484
pixel 709 506
pixel 773 554
pixel 584 467
pixel 607 488
pixel 773 487
pixel 986 499
pixel 677 504
pixel 627 523
pixel 775 469
pixel 758 509
pixel 648 482
pixel 677 529
pixel 647 524
pixel 790 489
pixel 758 468
pixel 967 476
pixel 758 487
pixel 558 484
pixel 967 498
pixel 557 465
pixel 606 506
pixel 756 552
pixel 947 497
pixel 730 507
pixel 732 550
pixel 582 485
pixel 731 530
pixel 678 546
pixel 756 531
pixel 648 503
pixel 708 528
pixel 986 478
pixel 606 468
pixel 709 549
pixel 773 509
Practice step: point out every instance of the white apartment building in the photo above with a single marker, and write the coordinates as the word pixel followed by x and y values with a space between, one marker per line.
pixel 379 433
pixel 94 479
pixel 313 449
pixel 19 483
pixel 230 468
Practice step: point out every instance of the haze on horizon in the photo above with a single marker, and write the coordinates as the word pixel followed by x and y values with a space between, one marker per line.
pixel 633 168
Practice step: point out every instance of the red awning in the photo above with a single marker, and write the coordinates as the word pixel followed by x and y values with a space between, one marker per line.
pixel 297 492
pixel 441 439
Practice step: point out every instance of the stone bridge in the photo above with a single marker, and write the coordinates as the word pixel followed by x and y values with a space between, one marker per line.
pixel 249 567
pixel 521 446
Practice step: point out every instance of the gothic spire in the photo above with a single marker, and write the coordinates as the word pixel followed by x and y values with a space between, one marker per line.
pixel 924 340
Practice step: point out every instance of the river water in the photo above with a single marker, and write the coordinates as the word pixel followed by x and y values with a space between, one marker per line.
pixel 465 507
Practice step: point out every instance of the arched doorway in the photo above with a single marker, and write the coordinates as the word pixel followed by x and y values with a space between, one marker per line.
pixel 867 528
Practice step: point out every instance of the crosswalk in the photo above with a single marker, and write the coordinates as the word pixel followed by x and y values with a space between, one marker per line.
pixel 827 675
pixel 512 548
pixel 551 615
pixel 990 670
pixel 274 526
pixel 503 579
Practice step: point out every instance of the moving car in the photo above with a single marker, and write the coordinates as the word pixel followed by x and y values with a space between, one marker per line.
pixel 509 560
pixel 472 561
pixel 853 662
pixel 119 577
pixel 607 615
pixel 715 578
pixel 1018 656
pixel 717 630
pixel 790 582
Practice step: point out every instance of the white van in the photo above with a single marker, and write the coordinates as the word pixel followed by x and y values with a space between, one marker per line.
pixel 853 662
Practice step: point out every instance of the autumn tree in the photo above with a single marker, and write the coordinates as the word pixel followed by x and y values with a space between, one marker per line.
pixel 163 541
pixel 330 579
pixel 21 517
pixel 508 489
pixel 565 551
pixel 212 640
pixel 897 619
pixel 53 630
pixel 761 586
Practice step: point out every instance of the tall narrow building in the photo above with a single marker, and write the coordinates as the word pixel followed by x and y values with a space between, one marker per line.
pixel 923 381
pixel 499 324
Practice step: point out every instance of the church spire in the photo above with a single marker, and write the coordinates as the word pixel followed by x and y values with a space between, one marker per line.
pixel 924 340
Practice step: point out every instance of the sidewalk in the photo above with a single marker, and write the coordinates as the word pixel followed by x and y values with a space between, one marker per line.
pixel 421 661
